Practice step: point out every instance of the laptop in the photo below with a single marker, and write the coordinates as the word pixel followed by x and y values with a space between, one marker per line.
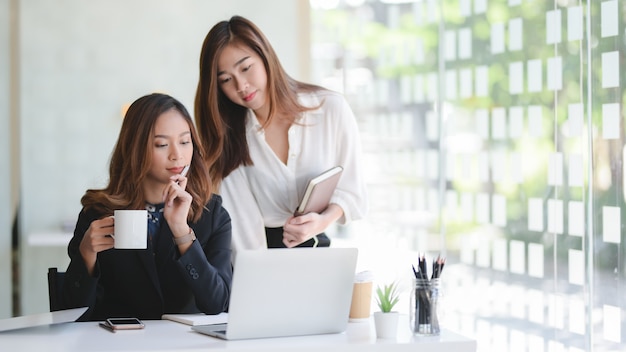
pixel 56 317
pixel 288 292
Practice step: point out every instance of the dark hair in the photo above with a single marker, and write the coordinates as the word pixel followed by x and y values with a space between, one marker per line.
pixel 132 155
pixel 221 123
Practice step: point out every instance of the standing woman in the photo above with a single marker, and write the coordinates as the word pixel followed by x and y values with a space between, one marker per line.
pixel 266 135
pixel 186 267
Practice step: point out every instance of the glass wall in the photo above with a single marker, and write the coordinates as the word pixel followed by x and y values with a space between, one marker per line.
pixel 493 135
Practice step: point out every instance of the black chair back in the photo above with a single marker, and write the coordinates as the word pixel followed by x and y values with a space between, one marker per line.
pixel 55 289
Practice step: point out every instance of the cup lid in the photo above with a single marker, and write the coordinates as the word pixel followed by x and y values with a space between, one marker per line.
pixel 364 276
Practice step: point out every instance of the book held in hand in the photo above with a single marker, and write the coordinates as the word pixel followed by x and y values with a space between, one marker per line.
pixel 318 192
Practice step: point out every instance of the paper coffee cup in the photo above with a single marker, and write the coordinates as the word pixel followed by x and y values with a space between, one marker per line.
pixel 131 229
pixel 361 296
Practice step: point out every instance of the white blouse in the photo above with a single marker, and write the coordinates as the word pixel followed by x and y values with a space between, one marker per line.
pixel 267 193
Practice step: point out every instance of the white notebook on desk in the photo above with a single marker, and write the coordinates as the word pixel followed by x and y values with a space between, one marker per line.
pixel 197 319
pixel 288 292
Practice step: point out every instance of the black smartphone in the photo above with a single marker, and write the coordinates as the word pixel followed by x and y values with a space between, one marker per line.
pixel 124 323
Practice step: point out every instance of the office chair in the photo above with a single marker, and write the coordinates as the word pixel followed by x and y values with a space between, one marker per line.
pixel 55 289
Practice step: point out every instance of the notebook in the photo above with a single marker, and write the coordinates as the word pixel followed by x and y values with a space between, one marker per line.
pixel 288 292
pixel 57 317
pixel 318 191
pixel 197 318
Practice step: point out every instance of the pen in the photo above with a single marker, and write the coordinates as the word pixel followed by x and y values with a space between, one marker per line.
pixel 185 169
pixel 184 172
pixel 436 264
pixel 421 271
pixel 422 266
pixel 106 326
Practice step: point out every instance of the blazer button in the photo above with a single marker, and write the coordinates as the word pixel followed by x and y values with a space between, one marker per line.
pixel 189 266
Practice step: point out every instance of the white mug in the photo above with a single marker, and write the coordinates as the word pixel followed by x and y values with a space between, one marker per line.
pixel 131 229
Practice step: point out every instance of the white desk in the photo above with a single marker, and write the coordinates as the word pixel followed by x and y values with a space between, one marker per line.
pixel 163 335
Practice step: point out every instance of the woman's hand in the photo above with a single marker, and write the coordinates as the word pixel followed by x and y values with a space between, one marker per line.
pixel 177 203
pixel 299 229
pixel 96 239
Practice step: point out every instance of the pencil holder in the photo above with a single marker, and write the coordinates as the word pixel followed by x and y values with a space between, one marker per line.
pixel 424 300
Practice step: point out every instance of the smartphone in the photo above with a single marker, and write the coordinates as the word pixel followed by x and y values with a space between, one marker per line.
pixel 124 323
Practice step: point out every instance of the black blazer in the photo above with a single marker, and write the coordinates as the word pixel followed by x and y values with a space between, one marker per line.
pixel 138 283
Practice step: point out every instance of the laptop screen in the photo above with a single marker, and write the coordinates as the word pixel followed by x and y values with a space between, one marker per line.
pixel 289 292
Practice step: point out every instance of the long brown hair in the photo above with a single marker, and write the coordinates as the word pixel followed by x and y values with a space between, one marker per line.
pixel 132 156
pixel 222 123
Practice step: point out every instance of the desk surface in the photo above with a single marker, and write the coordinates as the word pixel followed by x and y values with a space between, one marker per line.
pixel 164 335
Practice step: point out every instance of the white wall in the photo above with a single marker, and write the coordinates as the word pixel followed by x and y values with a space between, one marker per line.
pixel 80 63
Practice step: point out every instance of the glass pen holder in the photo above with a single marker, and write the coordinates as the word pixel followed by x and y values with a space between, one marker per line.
pixel 423 317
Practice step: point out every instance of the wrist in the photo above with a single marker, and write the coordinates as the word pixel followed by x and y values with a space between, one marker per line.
pixel 332 213
pixel 179 230
pixel 190 236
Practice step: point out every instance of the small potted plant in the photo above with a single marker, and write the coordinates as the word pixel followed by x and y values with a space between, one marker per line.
pixel 386 320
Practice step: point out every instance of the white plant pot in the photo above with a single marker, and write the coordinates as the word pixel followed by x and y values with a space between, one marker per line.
pixel 386 324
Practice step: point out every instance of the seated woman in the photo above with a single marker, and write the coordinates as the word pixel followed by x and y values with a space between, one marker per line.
pixel 186 267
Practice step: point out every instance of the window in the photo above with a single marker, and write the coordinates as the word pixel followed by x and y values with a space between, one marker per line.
pixel 493 134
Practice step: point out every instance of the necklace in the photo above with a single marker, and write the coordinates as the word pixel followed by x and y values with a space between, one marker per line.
pixel 155 217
